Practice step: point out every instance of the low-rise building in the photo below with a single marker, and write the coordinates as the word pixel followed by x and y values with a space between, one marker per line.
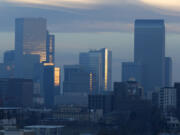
pixel 46 129
pixel 17 132
pixel 71 113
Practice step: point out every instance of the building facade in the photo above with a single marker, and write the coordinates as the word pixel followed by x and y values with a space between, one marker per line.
pixel 149 50
pixel 131 70
pixel 76 80
pixel 50 48
pixel 30 39
pixel 168 71
pixel 99 64
pixel 48 84
pixel 167 98
pixel 16 92
pixel 46 130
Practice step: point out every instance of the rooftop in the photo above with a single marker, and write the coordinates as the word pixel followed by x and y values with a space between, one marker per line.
pixel 43 126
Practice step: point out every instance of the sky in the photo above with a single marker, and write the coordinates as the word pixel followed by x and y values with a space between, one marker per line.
pixel 80 25
pixel 90 15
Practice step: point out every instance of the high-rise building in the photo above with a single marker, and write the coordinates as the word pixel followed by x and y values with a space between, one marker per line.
pixel 9 57
pixel 57 80
pixel 76 80
pixel 50 48
pixel 29 64
pixel 99 64
pixel 30 39
pixel 48 84
pixel 92 64
pixel 149 50
pixel 7 68
pixel 16 92
pixel 177 86
pixel 106 69
pixel 167 98
pixel 131 70
pixel 168 71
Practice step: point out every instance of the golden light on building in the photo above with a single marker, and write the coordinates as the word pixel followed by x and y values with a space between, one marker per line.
pixel 57 73
pixel 51 47
pixel 48 64
pixel 90 82
pixel 50 58
pixel 41 53
pixel 106 70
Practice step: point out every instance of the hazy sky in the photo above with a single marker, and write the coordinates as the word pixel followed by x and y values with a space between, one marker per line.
pixel 80 25
pixel 90 15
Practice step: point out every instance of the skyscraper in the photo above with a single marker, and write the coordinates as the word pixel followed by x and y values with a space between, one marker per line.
pixel 9 57
pixel 57 80
pixel 149 50
pixel 76 80
pixel 30 39
pixel 30 36
pixel 48 84
pixel 16 92
pixel 106 68
pixel 28 66
pixel 168 71
pixel 99 64
pixel 50 48
pixel 92 64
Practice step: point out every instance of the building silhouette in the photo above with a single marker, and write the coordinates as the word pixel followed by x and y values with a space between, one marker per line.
pixel 9 57
pixel 76 80
pixel 149 51
pixel 131 70
pixel 8 66
pixel 150 67
pixel 16 92
pixel 48 84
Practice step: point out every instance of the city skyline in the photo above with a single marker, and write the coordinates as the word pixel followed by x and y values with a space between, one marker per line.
pixel 88 15
pixel 95 67
pixel 99 23
pixel 122 48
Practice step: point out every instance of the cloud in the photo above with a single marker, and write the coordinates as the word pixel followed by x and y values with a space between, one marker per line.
pixel 84 4
pixel 85 15
pixel 172 5
pixel 156 5
pixel 52 3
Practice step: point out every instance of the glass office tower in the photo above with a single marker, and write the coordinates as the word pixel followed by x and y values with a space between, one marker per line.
pixel 168 71
pixel 50 48
pixel 99 64
pixel 30 36
pixel 30 39
pixel 149 50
